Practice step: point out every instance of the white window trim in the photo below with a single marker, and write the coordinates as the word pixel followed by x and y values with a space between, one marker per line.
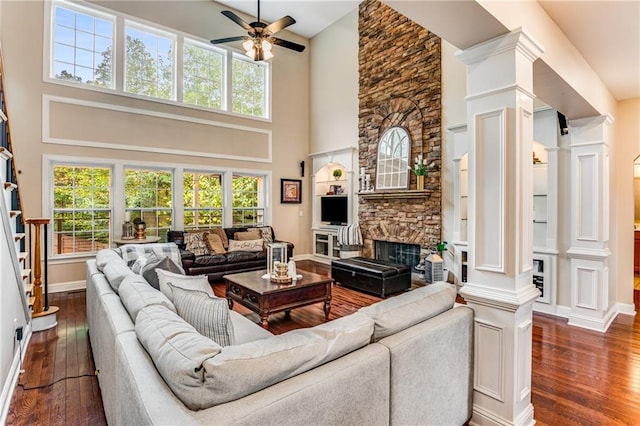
pixel 117 196
pixel 119 20
pixel 47 51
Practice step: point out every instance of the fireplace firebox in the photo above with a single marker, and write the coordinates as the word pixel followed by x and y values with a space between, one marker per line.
pixel 404 254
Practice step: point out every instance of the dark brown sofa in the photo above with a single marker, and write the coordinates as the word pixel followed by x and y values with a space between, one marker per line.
pixel 217 265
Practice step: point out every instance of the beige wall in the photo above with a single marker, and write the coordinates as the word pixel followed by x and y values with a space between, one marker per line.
pixel 22 41
pixel 627 137
pixel 334 86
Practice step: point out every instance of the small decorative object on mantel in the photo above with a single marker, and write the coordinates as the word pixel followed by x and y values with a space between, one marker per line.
pixel 420 169
pixel 337 174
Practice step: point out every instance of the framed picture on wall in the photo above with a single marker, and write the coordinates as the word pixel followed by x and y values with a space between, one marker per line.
pixel 291 191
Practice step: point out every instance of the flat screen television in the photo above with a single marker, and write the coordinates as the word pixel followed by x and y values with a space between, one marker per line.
pixel 334 210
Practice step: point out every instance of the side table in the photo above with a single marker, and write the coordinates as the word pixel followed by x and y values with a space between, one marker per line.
pixel 147 240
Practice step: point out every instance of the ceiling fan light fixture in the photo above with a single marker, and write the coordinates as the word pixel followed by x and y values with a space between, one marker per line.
pixel 248 45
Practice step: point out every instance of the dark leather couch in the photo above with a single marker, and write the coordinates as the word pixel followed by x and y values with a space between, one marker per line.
pixel 217 265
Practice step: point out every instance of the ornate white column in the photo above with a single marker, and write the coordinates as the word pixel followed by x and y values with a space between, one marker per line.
pixel 589 252
pixel 499 287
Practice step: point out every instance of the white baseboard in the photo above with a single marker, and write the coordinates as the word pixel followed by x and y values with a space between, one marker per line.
pixel 68 286
pixel 563 311
pixel 14 374
pixel 625 308
pixel 302 257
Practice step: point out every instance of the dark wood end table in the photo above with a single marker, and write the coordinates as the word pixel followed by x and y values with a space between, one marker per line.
pixel 265 298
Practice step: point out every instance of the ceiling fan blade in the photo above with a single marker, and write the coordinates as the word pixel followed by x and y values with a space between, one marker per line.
pixel 288 44
pixel 238 20
pixel 227 40
pixel 279 25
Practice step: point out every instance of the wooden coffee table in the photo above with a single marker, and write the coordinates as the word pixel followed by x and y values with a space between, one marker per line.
pixel 265 298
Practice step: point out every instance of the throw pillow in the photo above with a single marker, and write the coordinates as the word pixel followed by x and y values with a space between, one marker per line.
pixel 223 236
pixel 155 262
pixel 247 236
pixel 249 245
pixel 214 243
pixel 194 242
pixel 186 282
pixel 266 232
pixel 208 315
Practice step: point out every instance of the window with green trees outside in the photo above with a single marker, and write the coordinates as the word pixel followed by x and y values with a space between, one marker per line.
pixel 81 208
pixel 248 200
pixel 148 196
pixel 202 200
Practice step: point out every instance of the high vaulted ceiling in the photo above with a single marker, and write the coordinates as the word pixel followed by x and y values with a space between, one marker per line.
pixel 606 33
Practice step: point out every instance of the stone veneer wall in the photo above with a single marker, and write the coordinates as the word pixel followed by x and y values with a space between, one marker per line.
pixel 400 85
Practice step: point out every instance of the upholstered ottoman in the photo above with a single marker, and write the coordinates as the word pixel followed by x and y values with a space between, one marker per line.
pixel 377 277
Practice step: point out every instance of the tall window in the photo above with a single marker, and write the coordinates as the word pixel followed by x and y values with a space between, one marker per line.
pixel 82 47
pixel 148 197
pixel 81 209
pixel 248 86
pixel 149 64
pixel 202 200
pixel 203 74
pixel 393 159
pixel 248 200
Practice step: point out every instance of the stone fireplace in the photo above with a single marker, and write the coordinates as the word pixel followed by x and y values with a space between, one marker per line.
pixel 399 72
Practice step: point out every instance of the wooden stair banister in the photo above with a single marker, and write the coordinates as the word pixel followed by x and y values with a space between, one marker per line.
pixel 39 304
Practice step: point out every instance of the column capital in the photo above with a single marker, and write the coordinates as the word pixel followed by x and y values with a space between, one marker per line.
pixel 504 300
pixel 518 39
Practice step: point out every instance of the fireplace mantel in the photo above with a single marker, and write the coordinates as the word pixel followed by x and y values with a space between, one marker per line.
pixel 400 194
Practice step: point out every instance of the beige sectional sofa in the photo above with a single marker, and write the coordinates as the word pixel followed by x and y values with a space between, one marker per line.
pixel 405 361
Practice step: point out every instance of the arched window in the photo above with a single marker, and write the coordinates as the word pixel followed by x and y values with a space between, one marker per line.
pixel 393 159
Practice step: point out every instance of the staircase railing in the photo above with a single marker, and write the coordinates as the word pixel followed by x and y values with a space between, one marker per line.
pixel 5 134
pixel 16 202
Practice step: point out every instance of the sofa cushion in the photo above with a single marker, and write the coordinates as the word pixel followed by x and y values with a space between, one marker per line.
pixel 245 330
pixel 178 352
pixel 266 232
pixel 245 245
pixel 136 293
pixel 222 234
pixel 195 243
pixel 115 273
pixel 405 310
pixel 241 256
pixel 131 252
pixel 244 369
pixel 214 243
pixel 210 259
pixel 105 256
pixel 155 262
pixel 247 235
pixel 208 315
pixel 186 282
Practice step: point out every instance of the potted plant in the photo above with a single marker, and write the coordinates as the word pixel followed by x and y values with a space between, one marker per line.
pixel 337 173
pixel 441 247
pixel 420 169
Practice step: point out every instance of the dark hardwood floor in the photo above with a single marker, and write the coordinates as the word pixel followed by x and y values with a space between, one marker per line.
pixel 579 377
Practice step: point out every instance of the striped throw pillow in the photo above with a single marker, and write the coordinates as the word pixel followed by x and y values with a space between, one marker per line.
pixel 208 315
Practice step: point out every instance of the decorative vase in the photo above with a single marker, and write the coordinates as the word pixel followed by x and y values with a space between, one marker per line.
pixel 420 183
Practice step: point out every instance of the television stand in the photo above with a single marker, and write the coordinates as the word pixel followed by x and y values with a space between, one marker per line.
pixel 325 244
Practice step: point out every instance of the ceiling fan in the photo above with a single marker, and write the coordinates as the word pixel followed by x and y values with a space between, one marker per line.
pixel 259 41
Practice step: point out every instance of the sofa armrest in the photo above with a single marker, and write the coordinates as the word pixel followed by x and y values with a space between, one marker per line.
pixel 290 247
